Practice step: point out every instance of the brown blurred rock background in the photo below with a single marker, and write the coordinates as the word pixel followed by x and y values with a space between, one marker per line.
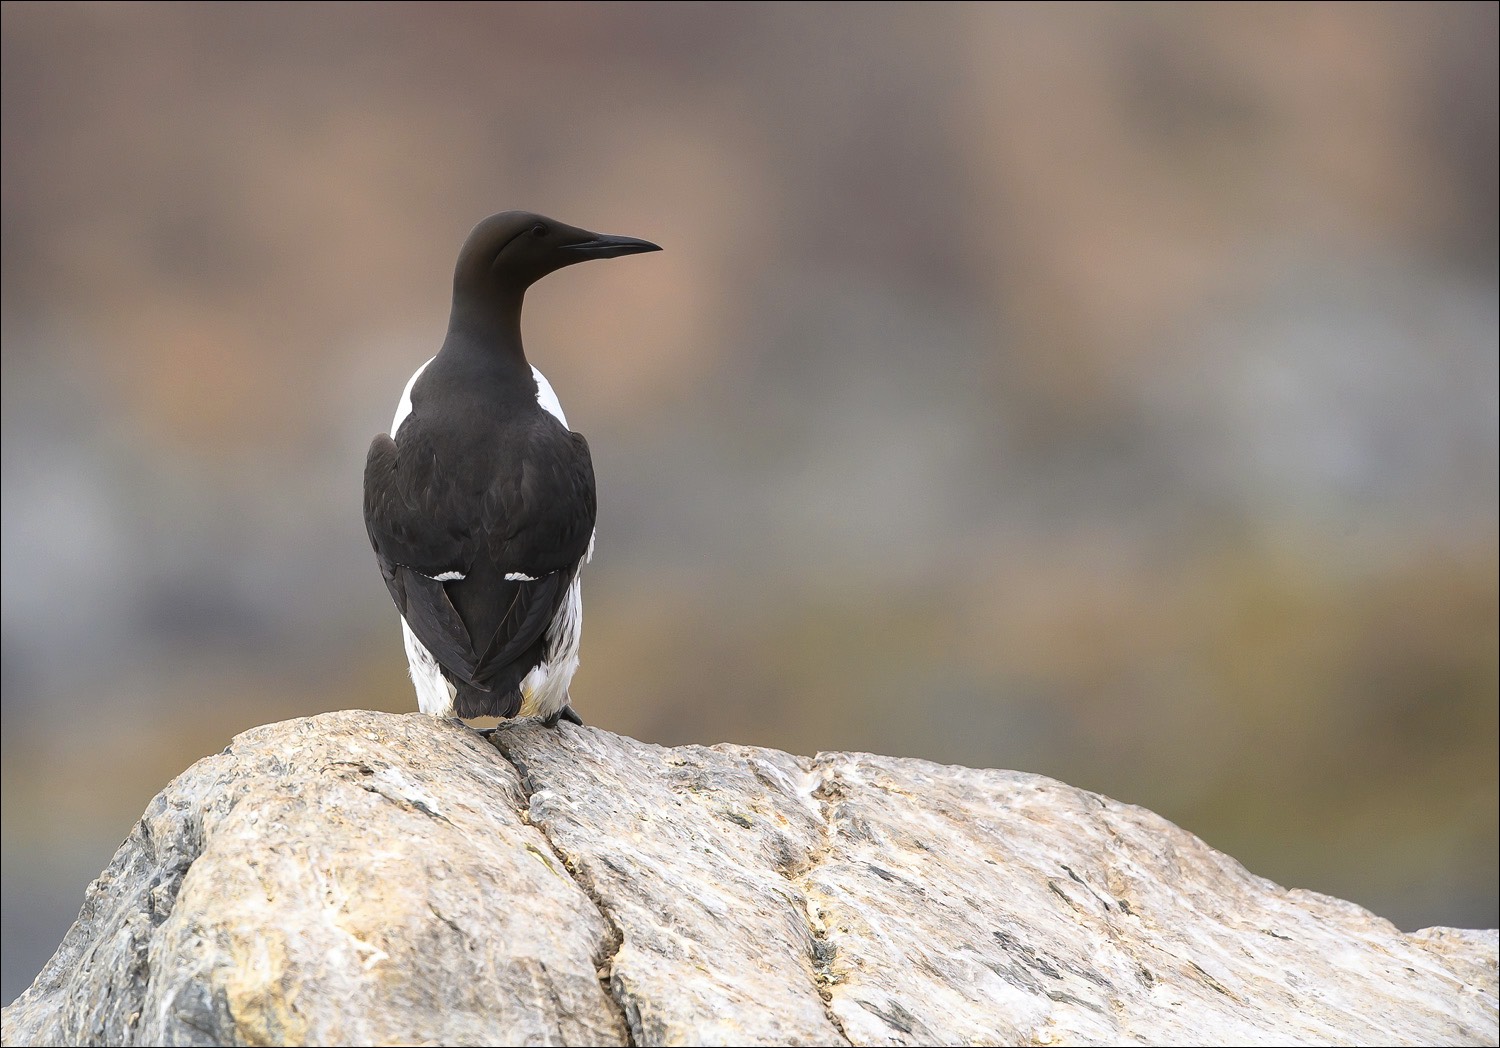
pixel 1108 392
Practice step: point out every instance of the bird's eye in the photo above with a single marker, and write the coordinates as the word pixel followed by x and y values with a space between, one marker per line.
pixel 538 230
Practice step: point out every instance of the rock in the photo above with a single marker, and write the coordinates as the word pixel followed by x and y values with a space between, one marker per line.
pixel 363 878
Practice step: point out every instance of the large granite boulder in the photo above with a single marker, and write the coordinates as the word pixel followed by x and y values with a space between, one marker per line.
pixel 363 878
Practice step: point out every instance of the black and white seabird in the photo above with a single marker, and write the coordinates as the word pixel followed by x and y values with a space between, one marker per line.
pixel 480 504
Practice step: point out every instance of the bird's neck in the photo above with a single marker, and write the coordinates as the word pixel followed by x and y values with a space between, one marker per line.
pixel 488 326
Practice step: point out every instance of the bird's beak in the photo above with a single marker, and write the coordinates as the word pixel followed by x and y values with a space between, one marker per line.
pixel 602 245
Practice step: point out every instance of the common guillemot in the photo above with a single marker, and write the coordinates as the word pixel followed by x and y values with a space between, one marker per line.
pixel 480 504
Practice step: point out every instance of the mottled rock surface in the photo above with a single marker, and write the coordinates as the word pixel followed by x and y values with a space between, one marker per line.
pixel 367 878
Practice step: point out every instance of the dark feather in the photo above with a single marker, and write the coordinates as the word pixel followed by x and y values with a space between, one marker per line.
pixel 515 498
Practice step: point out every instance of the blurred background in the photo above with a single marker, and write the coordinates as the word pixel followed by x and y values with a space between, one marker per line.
pixel 1108 392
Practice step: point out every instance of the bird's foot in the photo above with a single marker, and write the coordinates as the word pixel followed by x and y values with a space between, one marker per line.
pixel 567 714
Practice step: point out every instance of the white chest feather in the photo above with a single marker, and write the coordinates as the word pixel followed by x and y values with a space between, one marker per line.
pixel 403 406
pixel 546 398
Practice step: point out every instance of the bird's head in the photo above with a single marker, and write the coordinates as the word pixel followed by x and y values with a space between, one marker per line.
pixel 511 251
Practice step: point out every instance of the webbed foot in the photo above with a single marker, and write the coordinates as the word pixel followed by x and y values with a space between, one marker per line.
pixel 567 714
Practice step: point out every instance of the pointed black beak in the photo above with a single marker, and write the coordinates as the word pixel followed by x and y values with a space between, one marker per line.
pixel 601 245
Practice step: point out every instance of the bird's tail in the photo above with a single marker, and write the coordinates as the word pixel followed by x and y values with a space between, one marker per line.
pixel 471 702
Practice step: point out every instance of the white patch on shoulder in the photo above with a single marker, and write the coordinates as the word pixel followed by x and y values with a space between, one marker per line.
pixel 434 694
pixel 544 691
pixel 403 408
pixel 447 576
pixel 520 576
pixel 544 396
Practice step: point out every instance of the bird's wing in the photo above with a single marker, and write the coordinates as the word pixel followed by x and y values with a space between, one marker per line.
pixel 537 522
pixel 538 518
pixel 478 591
pixel 415 550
